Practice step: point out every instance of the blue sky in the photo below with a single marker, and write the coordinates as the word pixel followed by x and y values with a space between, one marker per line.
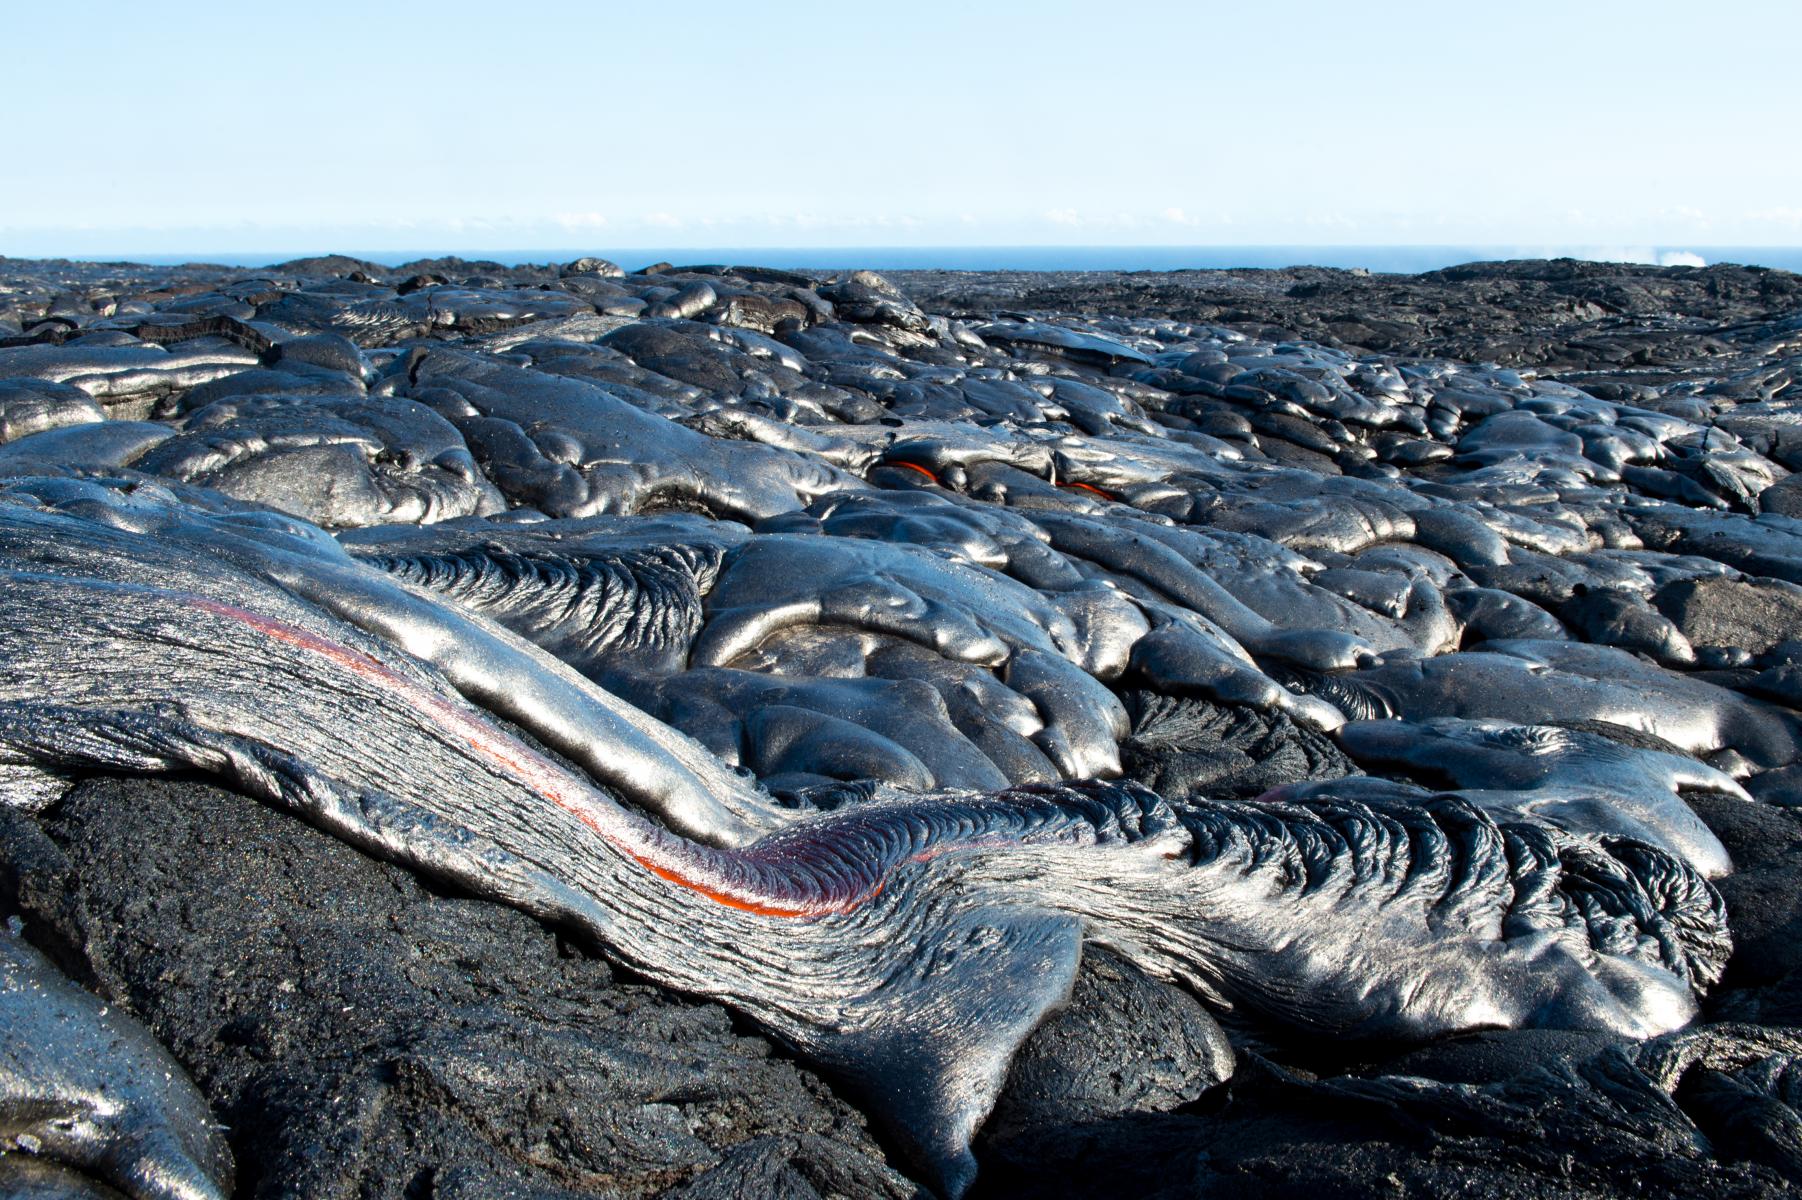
pixel 138 128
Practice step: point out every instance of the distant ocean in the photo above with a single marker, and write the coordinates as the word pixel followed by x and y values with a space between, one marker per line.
pixel 1402 259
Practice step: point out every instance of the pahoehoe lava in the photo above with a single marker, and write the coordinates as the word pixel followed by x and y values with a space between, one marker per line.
pixel 800 648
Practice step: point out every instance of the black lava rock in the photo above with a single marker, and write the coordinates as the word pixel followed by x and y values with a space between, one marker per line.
pixel 362 1035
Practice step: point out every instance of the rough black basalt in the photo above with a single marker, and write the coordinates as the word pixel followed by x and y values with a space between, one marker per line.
pixel 1505 553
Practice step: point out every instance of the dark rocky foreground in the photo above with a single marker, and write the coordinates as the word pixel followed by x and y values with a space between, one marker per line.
pixel 362 1032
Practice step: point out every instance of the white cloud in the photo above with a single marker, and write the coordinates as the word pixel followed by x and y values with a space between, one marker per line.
pixel 580 220
pixel 1680 258
pixel 1071 218
pixel 1781 215
pixel 664 220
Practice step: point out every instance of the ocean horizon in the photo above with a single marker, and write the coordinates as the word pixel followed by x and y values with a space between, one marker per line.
pixel 1376 259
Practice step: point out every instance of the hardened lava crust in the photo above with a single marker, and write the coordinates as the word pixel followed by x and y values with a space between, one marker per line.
pixel 717 731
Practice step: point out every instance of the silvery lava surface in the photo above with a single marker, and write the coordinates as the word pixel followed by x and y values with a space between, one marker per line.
pixel 837 657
